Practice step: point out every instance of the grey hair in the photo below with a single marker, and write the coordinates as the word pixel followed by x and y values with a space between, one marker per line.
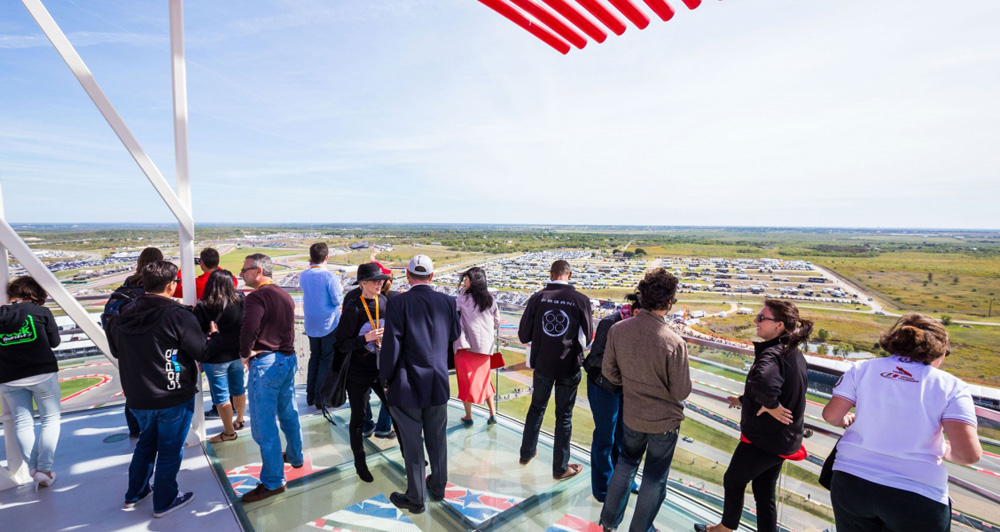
pixel 262 261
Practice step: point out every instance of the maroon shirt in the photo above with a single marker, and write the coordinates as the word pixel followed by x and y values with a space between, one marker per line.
pixel 268 321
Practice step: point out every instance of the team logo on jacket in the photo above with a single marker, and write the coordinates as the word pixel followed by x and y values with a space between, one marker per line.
pixel 555 322
pixel 899 374
pixel 23 335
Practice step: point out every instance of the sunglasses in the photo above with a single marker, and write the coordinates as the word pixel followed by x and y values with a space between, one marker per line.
pixel 761 317
pixel 244 270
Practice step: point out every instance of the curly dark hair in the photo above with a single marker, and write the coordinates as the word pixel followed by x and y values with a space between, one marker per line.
pixel 26 288
pixel 916 336
pixel 657 289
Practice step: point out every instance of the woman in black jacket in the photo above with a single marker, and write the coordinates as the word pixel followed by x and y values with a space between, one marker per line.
pixel 771 426
pixel 29 372
pixel 222 305
pixel 358 335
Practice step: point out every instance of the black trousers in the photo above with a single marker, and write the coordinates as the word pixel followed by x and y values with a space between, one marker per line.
pixel 565 400
pixel 863 506
pixel 751 464
pixel 360 383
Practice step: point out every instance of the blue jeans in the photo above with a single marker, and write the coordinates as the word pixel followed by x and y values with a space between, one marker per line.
pixel 606 444
pixel 225 380
pixel 565 400
pixel 133 424
pixel 320 363
pixel 659 451
pixel 161 440
pixel 272 402
pixel 38 454
pixel 384 423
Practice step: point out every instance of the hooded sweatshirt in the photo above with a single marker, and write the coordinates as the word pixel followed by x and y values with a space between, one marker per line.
pixel 157 341
pixel 28 332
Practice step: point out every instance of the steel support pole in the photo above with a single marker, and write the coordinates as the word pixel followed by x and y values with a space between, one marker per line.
pixel 185 227
pixel 15 473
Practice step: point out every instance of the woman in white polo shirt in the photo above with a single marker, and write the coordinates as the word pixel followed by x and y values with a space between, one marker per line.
pixel 889 473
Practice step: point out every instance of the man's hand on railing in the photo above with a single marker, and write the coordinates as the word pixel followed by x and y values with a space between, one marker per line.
pixel 780 413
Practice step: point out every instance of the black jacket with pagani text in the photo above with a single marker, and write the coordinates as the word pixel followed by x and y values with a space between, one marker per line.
pixel 558 323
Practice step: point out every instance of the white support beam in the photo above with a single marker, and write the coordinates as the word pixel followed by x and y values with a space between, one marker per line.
pixel 16 472
pixel 86 79
pixel 186 229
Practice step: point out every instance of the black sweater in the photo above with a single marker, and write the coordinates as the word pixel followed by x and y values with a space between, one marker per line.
pixel 592 364
pixel 775 378
pixel 157 341
pixel 223 346
pixel 551 322
pixel 347 338
pixel 28 332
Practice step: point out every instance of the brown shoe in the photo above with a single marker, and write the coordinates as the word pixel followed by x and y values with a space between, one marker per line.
pixel 260 493
pixel 524 461
pixel 572 470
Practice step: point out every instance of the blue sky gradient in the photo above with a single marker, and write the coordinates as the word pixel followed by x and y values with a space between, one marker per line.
pixel 785 113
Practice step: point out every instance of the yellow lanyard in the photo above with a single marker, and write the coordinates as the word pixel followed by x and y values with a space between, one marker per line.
pixel 265 283
pixel 374 322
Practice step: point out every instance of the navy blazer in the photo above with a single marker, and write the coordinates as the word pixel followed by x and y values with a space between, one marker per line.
pixel 420 327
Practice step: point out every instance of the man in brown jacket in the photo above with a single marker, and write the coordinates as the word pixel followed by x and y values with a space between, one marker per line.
pixel 650 362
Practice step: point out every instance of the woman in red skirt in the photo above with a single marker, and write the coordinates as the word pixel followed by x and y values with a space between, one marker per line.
pixel 480 319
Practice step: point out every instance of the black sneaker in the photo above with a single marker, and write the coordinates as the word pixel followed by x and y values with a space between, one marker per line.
pixel 181 500
pixel 391 435
pixel 400 501
pixel 212 414
pixel 131 504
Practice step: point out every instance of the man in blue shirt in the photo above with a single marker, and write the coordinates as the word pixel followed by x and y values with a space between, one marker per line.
pixel 321 299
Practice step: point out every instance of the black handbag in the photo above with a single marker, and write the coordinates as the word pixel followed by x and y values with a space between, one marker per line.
pixel 826 474
pixel 333 393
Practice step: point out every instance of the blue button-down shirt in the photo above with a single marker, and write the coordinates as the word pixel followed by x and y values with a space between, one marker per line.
pixel 321 300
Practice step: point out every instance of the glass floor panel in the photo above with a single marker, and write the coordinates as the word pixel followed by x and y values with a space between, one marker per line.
pixel 488 489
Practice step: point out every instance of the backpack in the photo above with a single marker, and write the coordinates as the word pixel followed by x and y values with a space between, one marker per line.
pixel 123 295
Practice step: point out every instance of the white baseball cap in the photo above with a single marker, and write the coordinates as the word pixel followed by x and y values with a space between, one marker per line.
pixel 420 265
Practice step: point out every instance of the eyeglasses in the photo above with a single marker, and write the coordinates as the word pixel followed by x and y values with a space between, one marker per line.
pixel 244 270
pixel 761 317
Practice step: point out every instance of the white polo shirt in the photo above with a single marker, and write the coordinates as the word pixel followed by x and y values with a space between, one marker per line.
pixel 896 439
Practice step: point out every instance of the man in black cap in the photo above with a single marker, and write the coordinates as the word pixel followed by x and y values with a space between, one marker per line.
pixel 421 326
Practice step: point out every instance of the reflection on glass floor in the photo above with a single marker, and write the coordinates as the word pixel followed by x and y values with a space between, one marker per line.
pixel 488 489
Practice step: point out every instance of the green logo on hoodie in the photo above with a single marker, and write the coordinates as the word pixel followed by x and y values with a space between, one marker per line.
pixel 22 336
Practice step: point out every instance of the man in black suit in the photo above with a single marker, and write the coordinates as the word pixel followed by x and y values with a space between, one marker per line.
pixel 420 327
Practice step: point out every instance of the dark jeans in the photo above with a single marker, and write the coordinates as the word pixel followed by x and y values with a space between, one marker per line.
pixel 320 362
pixel 659 451
pixel 752 464
pixel 608 433
pixel 133 423
pixel 565 399
pixel 863 506
pixel 360 384
pixel 161 440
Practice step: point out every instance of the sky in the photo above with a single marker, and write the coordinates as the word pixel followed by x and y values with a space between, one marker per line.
pixel 775 112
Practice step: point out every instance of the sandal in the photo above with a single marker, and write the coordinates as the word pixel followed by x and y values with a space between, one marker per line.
pixel 223 437
pixel 239 425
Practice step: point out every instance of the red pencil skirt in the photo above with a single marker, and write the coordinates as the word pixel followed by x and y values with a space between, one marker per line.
pixel 473 372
